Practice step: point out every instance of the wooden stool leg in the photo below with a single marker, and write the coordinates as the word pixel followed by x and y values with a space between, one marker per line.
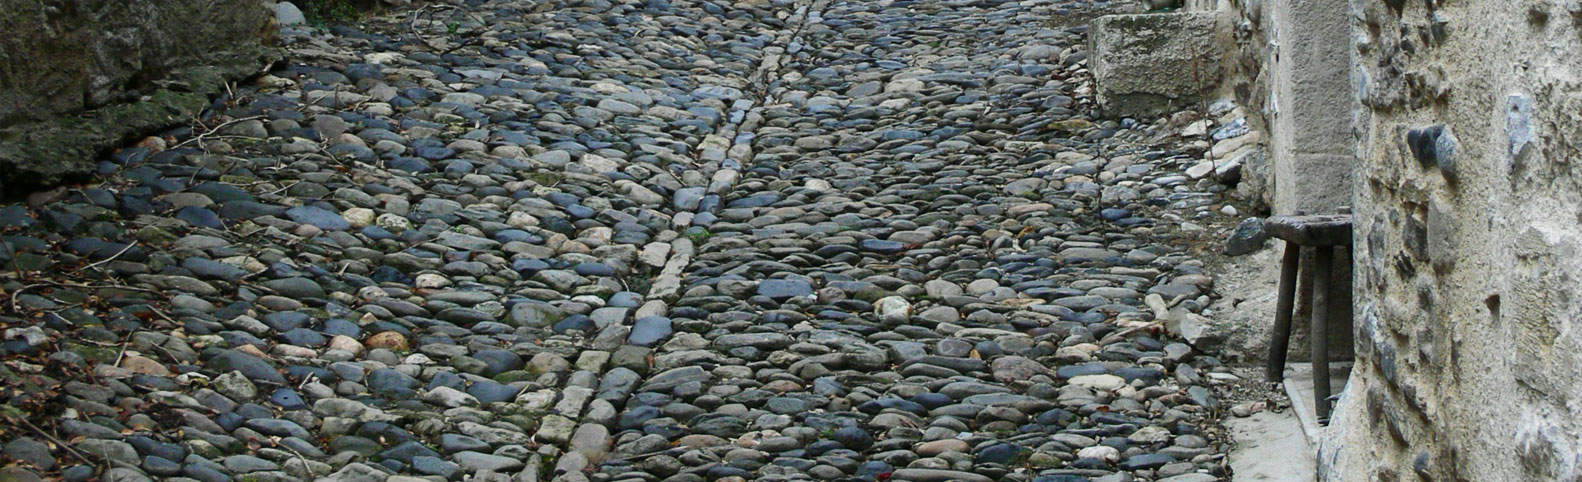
pixel 1280 340
pixel 1319 329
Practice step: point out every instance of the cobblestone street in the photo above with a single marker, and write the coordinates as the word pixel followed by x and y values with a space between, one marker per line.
pixel 636 240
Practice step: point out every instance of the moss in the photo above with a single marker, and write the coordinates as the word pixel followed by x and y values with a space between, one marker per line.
pixel 547 464
pixel 976 189
pixel 7 411
pixel 70 296
pixel 871 294
pixel 515 376
pixel 34 261
pixel 13 379
pixel 155 235
pixel 639 284
pixel 1072 125
pixel 1041 460
pixel 527 422
pixel 544 177
pixel 318 313
pixel 534 370
pixel 204 449
pixel 323 13
pixel 469 364
pixel 698 235
pixel 95 353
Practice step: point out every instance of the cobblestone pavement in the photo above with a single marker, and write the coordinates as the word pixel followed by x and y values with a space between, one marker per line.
pixel 630 240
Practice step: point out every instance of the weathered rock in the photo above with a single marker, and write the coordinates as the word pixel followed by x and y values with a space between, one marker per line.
pixel 1145 65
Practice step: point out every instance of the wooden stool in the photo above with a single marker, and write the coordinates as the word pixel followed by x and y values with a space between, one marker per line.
pixel 1324 234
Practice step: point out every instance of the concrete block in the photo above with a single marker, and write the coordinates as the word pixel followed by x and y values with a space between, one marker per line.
pixel 1146 65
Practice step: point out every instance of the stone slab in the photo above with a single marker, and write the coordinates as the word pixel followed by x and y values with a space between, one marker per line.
pixel 1150 64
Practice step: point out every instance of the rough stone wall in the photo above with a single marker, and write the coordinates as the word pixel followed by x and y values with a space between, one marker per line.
pixel 1248 79
pixel 78 75
pixel 1469 246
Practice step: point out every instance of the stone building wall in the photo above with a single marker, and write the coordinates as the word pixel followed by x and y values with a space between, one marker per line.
pixel 1249 79
pixel 1468 244
pixel 79 76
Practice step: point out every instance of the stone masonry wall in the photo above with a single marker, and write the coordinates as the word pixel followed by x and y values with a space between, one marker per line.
pixel 1249 78
pixel 1468 244
pixel 78 76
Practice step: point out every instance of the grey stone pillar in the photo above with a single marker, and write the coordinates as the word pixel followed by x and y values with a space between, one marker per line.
pixel 1310 130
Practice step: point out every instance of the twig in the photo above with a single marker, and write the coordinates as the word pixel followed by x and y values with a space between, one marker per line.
pixel 431 9
pixel 120 356
pixel 163 315
pixel 464 44
pixel 304 460
pixel 168 354
pixel 1128 331
pixel 630 458
pixel 217 128
pixel 16 265
pixel 277 191
pixel 14 307
pixel 42 284
pixel 95 265
pixel 69 449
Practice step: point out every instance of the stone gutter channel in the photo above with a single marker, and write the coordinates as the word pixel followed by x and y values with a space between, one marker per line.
pixel 720 157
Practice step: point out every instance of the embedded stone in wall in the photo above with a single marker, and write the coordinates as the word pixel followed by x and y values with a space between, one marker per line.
pixel 1519 129
pixel 1434 145
pixel 1146 65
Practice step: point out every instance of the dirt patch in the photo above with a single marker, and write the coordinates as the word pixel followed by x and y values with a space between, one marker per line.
pixel 1243 309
